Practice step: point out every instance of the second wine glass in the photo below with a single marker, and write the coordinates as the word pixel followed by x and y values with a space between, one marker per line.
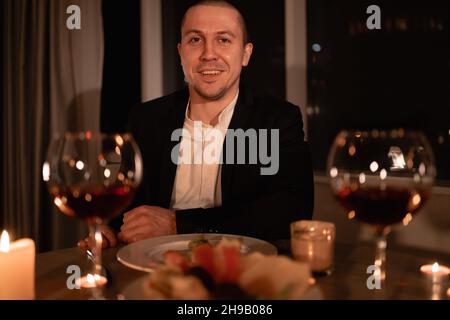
pixel 382 178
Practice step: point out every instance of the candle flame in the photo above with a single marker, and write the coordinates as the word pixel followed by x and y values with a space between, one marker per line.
pixel 4 242
pixel 435 267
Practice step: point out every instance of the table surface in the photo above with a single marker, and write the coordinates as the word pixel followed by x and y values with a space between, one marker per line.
pixel 348 280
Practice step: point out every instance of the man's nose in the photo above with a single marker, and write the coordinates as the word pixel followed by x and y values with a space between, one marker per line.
pixel 209 51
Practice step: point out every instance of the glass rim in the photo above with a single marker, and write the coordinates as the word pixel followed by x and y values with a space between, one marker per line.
pixel 304 224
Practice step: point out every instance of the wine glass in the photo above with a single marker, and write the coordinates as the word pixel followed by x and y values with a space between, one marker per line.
pixel 93 176
pixel 382 178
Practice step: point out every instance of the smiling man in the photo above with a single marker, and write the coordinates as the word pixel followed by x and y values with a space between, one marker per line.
pixel 213 50
pixel 230 195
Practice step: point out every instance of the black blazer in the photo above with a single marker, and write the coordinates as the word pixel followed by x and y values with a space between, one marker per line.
pixel 252 204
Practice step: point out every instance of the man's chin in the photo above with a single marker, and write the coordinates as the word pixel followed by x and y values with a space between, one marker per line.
pixel 212 95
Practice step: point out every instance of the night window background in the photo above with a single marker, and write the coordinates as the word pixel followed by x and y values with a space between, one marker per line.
pixel 395 77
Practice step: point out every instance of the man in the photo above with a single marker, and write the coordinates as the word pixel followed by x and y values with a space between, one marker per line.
pixel 186 197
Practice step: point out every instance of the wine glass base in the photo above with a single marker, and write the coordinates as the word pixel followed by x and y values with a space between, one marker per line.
pixel 91 281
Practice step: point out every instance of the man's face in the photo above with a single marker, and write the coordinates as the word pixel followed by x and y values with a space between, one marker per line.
pixel 212 51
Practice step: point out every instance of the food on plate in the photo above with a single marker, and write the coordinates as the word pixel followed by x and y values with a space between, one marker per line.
pixel 198 241
pixel 221 272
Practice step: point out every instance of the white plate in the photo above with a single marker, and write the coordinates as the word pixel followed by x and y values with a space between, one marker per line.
pixel 142 254
pixel 136 291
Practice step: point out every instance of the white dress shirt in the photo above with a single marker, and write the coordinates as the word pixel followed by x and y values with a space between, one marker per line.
pixel 198 181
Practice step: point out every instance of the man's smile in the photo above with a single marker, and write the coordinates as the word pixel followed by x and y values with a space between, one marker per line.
pixel 210 75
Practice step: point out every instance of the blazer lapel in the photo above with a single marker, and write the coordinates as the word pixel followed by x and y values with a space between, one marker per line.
pixel 168 167
pixel 238 121
pixel 176 121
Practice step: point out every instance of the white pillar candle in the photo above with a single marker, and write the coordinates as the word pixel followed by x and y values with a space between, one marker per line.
pixel 17 261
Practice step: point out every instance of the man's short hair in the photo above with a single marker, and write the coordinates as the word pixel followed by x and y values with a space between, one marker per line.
pixel 223 4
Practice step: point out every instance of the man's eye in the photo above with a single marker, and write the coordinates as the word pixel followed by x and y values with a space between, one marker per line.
pixel 224 40
pixel 195 40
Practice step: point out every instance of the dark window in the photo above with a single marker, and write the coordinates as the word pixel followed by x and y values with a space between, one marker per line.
pixel 395 77
pixel 121 88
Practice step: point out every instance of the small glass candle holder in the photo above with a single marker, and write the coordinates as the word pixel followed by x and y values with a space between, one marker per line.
pixel 437 279
pixel 313 242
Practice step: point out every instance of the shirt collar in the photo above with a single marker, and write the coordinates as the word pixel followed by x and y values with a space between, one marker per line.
pixel 223 116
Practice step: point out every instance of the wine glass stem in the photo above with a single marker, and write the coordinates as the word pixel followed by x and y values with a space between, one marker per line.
pixel 96 234
pixel 380 256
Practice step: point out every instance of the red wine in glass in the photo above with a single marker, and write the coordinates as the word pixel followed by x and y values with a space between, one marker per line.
pixel 93 177
pixel 382 178
pixel 103 203
pixel 382 207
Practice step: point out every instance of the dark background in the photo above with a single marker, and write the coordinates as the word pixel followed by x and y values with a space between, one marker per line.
pixel 121 73
pixel 121 88
pixel 395 77
pixel 1 102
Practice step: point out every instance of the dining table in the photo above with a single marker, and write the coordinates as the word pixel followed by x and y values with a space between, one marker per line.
pixel 347 281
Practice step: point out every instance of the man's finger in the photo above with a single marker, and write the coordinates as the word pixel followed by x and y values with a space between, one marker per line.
pixel 130 235
pixel 110 237
pixel 82 244
pixel 135 212
pixel 105 242
pixel 89 243
pixel 137 221
pixel 140 237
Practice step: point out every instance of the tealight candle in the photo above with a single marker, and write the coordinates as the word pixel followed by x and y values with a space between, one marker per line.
pixel 436 271
pixel 17 260
pixel 313 242
pixel 436 274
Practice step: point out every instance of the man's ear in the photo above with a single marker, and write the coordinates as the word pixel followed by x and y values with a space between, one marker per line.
pixel 248 50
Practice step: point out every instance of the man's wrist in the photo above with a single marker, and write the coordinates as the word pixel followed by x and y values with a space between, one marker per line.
pixel 173 219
